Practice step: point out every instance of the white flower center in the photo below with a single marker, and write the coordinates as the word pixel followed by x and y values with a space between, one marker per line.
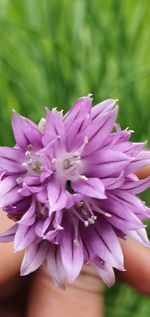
pixel 32 163
pixel 69 166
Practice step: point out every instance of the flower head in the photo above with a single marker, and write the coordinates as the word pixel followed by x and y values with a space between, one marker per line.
pixel 70 186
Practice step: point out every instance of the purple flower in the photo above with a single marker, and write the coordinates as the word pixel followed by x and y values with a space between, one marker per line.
pixel 70 186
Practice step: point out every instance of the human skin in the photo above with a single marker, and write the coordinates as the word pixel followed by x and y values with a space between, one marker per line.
pixel 83 298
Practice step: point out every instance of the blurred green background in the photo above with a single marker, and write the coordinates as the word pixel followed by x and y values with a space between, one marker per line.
pixel 52 52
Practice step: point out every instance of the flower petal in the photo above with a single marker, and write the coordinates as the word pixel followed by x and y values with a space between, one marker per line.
pixel 10 159
pixel 77 119
pixel 121 215
pixel 24 237
pixel 105 271
pixel 137 186
pixel 104 106
pixel 112 183
pixel 57 196
pixel 8 191
pixel 54 130
pixel 25 132
pixel 98 131
pixel 92 187
pixel 97 247
pixel 106 163
pixel 34 257
pixel 9 234
pixel 55 266
pixel 72 254
pixel 141 236
pixel 29 216
pixel 142 159
pixel 107 234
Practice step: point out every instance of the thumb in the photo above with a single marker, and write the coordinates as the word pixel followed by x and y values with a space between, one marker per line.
pixel 82 298
pixel 9 262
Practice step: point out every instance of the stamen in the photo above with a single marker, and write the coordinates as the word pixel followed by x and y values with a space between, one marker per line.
pixel 107 214
pixel 91 221
pixel 90 210
pixel 19 180
pixel 24 164
pixel 79 216
pixel 85 142
pixel 83 177
pixel 28 154
pixel 37 167
pixel 76 242
pixel 80 204
pixel 94 217
pixel 86 223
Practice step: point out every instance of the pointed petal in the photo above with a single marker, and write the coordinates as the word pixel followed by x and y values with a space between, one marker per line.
pixel 112 183
pixel 105 271
pixel 25 131
pixel 34 257
pixel 58 219
pixel 7 184
pixel 141 236
pixel 77 119
pixel 29 217
pixel 10 159
pixel 142 159
pixel 92 187
pixel 81 108
pixel 128 200
pixel 23 237
pixel 72 254
pixel 55 267
pixel 8 191
pixel 121 215
pixel 42 195
pixel 137 186
pixel 57 196
pixel 106 163
pixel 97 247
pixel 98 131
pixel 9 234
pixel 107 234
pixel 102 107
pixel 54 129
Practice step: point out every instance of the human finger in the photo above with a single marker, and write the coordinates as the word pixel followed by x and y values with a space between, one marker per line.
pixel 9 262
pixel 82 298
pixel 137 264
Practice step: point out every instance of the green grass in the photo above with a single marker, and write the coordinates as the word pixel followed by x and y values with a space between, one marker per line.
pixel 52 52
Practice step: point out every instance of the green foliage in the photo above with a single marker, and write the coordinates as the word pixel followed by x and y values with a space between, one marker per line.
pixel 53 51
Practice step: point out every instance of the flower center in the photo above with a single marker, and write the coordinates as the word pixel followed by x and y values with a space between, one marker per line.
pixel 32 162
pixel 69 166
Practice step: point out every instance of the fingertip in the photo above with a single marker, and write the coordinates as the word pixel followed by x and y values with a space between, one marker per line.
pixel 137 264
pixel 143 172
